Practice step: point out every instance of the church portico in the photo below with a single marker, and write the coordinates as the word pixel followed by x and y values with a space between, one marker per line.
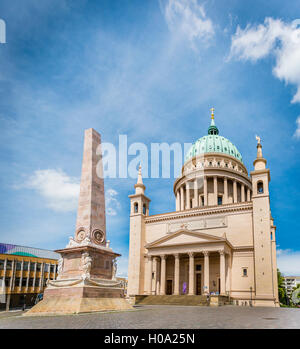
pixel 193 272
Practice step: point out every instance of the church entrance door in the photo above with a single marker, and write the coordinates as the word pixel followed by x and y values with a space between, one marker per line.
pixel 169 287
pixel 198 284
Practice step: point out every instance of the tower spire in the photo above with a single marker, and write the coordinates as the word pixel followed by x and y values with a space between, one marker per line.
pixel 139 186
pixel 213 130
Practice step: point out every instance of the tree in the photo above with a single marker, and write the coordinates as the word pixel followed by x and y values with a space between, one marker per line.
pixel 281 289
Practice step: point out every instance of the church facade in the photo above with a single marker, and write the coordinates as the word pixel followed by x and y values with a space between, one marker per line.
pixel 221 238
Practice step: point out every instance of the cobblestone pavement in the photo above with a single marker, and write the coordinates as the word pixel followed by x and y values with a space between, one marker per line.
pixel 159 317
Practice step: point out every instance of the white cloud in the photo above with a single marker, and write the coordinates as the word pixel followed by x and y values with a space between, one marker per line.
pixel 288 262
pixel 111 202
pixel 58 189
pixel 188 17
pixel 297 132
pixel 273 37
pixel 61 191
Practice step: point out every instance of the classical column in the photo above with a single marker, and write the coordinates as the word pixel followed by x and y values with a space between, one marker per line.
pixel 196 195
pixel 206 272
pixel 42 277
pixel 149 275
pixel 34 275
pixel 27 280
pixel 248 194
pixel 156 276
pixel 12 279
pixel 163 275
pixel 225 198
pixel 21 277
pixel 222 271
pixel 188 199
pixel 234 191
pixel 242 192
pixel 181 199
pixel 215 190
pixel 205 191
pixel 177 201
pixel 176 274
pixel 191 274
pixel 4 274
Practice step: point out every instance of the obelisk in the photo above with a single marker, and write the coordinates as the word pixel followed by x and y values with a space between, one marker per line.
pixel 91 204
pixel 86 279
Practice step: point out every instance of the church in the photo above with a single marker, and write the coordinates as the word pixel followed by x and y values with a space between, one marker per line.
pixel 220 241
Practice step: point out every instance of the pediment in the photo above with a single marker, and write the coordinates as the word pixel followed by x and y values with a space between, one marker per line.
pixel 183 237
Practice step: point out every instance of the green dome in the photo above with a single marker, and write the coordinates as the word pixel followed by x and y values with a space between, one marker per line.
pixel 213 143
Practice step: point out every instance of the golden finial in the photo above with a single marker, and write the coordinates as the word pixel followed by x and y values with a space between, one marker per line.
pixel 212 113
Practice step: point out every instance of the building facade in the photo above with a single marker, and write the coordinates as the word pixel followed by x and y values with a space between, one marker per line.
pixel 221 238
pixel 290 283
pixel 24 272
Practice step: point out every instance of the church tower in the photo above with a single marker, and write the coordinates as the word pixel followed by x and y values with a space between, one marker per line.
pixel 139 210
pixel 263 233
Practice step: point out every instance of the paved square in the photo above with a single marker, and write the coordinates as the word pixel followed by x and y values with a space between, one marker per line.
pixel 159 317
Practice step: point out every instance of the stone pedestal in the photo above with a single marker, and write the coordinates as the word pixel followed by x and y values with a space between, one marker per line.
pixel 86 283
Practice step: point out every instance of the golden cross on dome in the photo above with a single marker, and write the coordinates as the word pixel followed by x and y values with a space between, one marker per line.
pixel 212 113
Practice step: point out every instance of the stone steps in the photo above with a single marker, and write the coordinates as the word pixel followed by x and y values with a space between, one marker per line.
pixel 172 300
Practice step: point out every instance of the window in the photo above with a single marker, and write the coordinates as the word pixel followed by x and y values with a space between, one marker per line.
pixel 24 281
pixel 18 265
pixel 37 282
pixel 25 266
pixel 51 268
pixel 198 267
pixel 32 266
pixel 46 268
pixel 30 282
pixel 202 200
pixel 260 187
pixel 245 272
pixel 144 209
pixel 136 207
pixel 38 267
pixel 8 265
pixel 2 264
pixel 7 282
pixel 17 282
pixel 220 200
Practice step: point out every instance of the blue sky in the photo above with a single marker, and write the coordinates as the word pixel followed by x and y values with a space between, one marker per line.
pixel 151 70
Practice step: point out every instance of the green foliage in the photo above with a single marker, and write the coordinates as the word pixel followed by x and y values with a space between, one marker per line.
pixel 281 289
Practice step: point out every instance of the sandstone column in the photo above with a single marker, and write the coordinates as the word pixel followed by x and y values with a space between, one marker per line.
pixel 91 204
pixel 181 199
pixel 177 201
pixel 248 194
pixel 243 193
pixel 205 191
pixel 149 275
pixel 225 198
pixel 188 199
pixel 176 274
pixel 234 191
pixel 215 190
pixel 206 271
pixel 191 274
pixel 222 272
pixel 163 275
pixel 196 196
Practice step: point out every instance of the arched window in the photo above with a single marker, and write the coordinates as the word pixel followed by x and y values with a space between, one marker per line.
pixel 144 209
pixel 136 207
pixel 260 188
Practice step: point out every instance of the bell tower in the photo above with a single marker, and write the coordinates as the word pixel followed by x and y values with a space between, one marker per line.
pixel 265 288
pixel 139 210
